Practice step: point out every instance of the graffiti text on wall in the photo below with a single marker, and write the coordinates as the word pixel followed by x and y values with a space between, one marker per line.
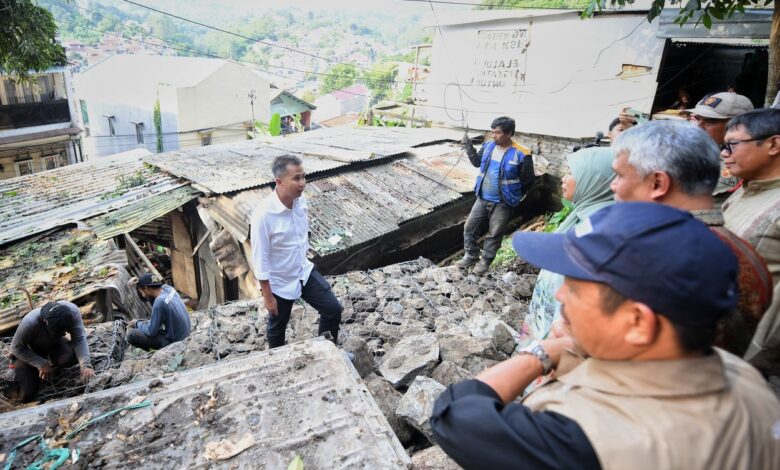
pixel 500 60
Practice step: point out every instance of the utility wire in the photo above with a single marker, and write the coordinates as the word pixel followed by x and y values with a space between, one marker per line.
pixel 248 38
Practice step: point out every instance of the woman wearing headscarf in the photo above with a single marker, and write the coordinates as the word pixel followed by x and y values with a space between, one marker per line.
pixel 587 187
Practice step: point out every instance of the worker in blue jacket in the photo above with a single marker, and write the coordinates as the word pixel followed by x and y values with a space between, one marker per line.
pixel 506 173
pixel 170 321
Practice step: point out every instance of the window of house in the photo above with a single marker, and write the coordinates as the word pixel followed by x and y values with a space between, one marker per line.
pixel 50 162
pixel 46 85
pixel 24 168
pixel 111 128
pixel 205 139
pixel 139 132
pixel 10 92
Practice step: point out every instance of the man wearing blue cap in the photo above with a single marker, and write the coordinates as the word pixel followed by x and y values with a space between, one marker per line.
pixel 637 384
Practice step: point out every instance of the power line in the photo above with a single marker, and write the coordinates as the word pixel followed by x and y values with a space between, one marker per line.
pixel 490 5
pixel 248 38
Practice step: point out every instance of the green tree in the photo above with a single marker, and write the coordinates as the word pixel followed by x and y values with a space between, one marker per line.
pixel 339 76
pixel 28 39
pixel 380 80
pixel 703 11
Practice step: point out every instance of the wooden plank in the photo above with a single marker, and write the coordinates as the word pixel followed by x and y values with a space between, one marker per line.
pixel 135 251
pixel 182 265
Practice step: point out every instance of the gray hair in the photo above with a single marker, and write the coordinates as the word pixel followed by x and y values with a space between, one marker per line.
pixel 759 123
pixel 280 164
pixel 684 152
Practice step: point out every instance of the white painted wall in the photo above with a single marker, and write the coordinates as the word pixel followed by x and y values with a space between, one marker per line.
pixel 221 99
pixel 562 74
pixel 327 107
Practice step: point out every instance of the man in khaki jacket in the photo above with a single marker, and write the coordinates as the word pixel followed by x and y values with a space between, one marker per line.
pixel 645 287
pixel 751 151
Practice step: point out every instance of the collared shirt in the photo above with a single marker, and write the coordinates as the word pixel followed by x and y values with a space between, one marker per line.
pixel 32 340
pixel 280 242
pixel 169 317
pixel 753 213
pixel 477 430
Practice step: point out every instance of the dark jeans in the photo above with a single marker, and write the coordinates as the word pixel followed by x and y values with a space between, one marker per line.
pixel 147 343
pixel 60 353
pixel 318 294
pixel 492 217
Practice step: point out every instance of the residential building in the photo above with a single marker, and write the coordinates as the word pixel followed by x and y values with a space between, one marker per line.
pixel 287 106
pixel 558 75
pixel 200 102
pixel 349 100
pixel 38 124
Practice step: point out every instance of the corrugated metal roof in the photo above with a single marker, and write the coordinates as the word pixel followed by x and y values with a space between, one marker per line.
pixel 753 24
pixel 64 265
pixel 350 208
pixel 228 168
pixel 35 203
pixel 140 213
pixel 234 167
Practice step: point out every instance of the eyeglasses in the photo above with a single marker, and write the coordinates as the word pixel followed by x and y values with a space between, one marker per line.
pixel 729 146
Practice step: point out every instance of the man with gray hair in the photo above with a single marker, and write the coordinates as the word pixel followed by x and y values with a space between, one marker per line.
pixel 676 164
pixel 280 241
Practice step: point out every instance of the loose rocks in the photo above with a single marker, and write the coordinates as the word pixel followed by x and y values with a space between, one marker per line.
pixel 416 405
pixel 412 356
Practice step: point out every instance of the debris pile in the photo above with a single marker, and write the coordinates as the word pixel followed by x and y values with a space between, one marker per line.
pixel 301 403
pixel 412 328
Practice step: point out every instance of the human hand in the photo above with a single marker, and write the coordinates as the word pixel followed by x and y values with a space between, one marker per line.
pixel 558 330
pixel 132 282
pixel 466 141
pixel 87 373
pixel 270 305
pixel 45 371
pixel 133 323
pixel 556 346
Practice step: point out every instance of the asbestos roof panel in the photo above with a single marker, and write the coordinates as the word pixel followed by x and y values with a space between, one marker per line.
pixel 446 164
pixel 305 399
pixel 224 169
pixel 139 213
pixel 355 207
pixel 64 265
pixel 35 203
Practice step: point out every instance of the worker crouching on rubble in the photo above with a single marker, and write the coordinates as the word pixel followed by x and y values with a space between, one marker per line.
pixel 170 321
pixel 39 346
pixel 645 286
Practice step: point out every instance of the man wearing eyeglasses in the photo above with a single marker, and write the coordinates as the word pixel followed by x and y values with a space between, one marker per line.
pixel 712 114
pixel 751 151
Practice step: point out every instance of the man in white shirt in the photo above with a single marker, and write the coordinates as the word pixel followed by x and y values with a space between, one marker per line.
pixel 280 241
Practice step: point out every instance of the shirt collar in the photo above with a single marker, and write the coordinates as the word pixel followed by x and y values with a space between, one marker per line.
pixel 276 205
pixel 762 185
pixel 711 217
pixel 675 378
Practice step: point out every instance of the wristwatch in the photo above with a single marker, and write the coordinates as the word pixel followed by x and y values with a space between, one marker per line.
pixel 535 349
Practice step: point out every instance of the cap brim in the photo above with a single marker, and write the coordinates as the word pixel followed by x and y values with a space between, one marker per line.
pixel 707 112
pixel 548 251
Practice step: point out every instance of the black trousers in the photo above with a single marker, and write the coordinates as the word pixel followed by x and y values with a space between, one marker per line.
pixel 317 293
pixel 59 352
pixel 147 343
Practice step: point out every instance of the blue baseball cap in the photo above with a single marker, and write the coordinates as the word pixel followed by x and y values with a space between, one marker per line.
pixel 650 253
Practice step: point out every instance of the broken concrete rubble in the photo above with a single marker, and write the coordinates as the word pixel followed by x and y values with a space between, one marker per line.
pixel 387 397
pixel 378 312
pixel 416 405
pixel 433 458
pixel 412 356
pixel 304 400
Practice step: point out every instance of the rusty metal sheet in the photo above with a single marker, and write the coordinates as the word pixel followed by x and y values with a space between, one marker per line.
pixel 64 265
pixel 132 216
pixel 35 203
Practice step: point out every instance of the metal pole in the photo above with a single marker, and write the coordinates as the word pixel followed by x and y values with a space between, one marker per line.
pixel 252 96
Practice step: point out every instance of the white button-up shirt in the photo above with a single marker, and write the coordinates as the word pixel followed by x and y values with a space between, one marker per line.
pixel 280 241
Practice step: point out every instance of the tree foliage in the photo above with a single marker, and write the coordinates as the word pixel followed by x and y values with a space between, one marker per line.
pixel 28 39
pixel 339 76
pixel 699 10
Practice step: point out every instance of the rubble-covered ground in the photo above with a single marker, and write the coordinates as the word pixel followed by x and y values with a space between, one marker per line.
pixel 413 328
